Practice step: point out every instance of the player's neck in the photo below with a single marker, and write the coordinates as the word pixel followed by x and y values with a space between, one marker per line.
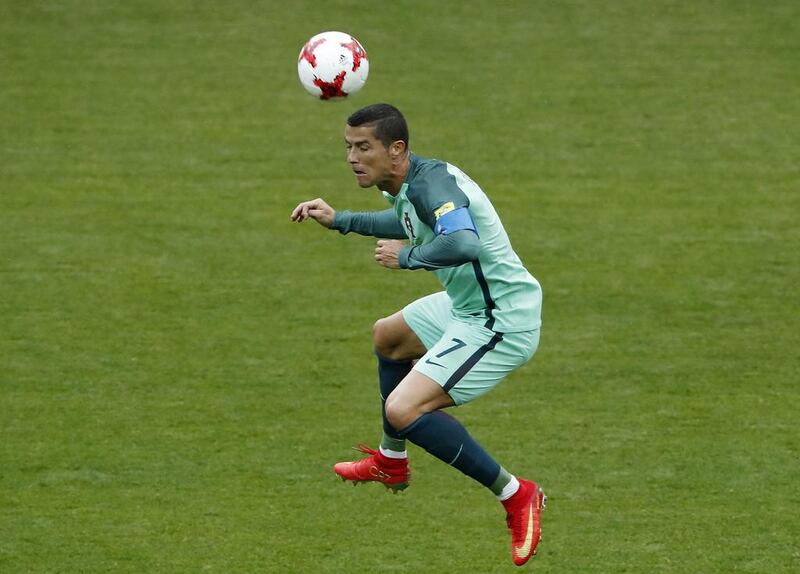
pixel 397 177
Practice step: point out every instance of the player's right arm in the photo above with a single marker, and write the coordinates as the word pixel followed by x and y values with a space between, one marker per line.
pixel 372 223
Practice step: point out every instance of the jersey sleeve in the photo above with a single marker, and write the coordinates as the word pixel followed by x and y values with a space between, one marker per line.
pixel 371 223
pixel 435 195
pixel 449 250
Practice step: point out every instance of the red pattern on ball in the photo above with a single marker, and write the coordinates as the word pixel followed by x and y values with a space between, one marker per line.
pixel 358 52
pixel 308 52
pixel 331 89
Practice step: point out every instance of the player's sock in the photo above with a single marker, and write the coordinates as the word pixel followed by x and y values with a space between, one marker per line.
pixel 389 453
pixel 390 373
pixel 390 444
pixel 505 485
pixel 446 439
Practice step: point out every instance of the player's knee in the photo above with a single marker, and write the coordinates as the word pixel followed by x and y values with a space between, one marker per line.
pixel 384 339
pixel 399 414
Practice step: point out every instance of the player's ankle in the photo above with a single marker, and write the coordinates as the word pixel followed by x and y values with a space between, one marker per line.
pixel 392 455
pixel 509 490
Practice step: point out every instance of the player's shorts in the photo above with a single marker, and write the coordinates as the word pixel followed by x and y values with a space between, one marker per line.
pixel 466 359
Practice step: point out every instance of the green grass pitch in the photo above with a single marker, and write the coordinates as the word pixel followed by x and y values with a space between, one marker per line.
pixel 180 366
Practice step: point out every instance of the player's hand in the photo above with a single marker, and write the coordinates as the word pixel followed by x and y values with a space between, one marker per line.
pixel 387 253
pixel 315 209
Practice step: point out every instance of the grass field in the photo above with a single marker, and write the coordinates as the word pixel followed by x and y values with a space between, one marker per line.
pixel 180 366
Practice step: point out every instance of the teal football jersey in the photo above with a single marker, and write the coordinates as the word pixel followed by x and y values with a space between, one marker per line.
pixel 496 289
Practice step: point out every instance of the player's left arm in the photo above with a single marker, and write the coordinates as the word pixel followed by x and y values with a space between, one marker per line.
pixel 444 207
pixel 449 250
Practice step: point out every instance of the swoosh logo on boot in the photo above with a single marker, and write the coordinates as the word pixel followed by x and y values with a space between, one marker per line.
pixel 522 551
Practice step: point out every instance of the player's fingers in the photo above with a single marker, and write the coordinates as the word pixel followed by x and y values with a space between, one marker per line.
pixel 301 211
pixel 297 213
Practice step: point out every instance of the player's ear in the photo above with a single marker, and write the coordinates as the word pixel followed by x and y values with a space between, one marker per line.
pixel 397 149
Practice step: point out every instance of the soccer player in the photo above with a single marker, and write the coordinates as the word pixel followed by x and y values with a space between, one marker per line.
pixel 450 347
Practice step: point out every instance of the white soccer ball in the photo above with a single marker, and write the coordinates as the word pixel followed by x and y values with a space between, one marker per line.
pixel 332 65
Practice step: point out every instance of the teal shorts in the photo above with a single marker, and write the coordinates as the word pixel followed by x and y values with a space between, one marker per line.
pixel 466 359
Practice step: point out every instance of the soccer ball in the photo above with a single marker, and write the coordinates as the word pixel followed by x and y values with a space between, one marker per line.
pixel 332 65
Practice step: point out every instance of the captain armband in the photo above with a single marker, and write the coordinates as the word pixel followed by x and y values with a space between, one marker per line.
pixel 452 220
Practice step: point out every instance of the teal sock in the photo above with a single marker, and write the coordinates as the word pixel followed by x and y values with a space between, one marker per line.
pixel 392 443
pixel 501 481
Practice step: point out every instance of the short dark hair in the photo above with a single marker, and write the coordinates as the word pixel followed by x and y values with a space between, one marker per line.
pixel 386 120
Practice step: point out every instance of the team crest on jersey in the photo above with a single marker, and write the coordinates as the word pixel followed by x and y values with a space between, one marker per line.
pixel 407 221
pixel 446 208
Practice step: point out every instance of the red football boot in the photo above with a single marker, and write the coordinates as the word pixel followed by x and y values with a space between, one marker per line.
pixel 393 473
pixel 524 516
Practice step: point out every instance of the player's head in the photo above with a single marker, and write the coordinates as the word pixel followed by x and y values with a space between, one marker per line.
pixel 377 146
pixel 386 121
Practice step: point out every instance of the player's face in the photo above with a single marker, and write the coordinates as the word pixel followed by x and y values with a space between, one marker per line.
pixel 368 158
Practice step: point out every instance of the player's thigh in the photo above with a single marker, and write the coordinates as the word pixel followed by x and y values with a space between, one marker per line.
pixel 395 340
pixel 429 317
pixel 470 360
pixel 409 333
